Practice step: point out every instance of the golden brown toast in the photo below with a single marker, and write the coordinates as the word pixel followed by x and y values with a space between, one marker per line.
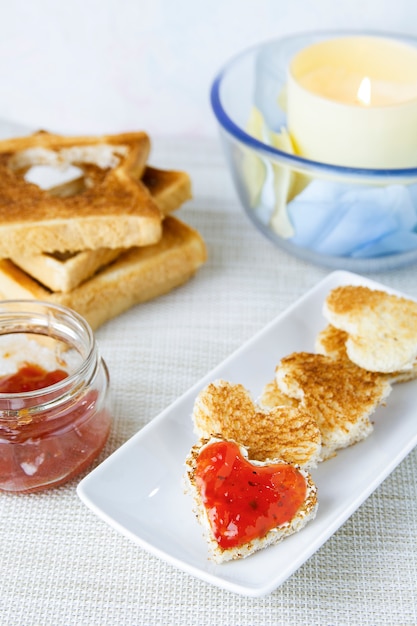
pixel 381 328
pixel 65 271
pixel 138 275
pixel 112 210
pixel 169 188
pixel 338 394
pixel 227 410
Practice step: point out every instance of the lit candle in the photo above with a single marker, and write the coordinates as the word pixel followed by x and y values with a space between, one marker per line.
pixel 352 101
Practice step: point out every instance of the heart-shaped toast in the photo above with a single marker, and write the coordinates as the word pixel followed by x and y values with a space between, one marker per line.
pixel 338 394
pixel 246 505
pixel 381 327
pixel 286 432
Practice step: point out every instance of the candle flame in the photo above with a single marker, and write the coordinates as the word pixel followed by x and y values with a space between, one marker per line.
pixel 364 92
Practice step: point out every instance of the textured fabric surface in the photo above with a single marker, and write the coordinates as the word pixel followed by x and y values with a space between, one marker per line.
pixel 61 565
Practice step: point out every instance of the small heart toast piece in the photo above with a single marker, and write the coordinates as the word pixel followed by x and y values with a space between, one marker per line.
pixel 338 394
pixel 381 327
pixel 244 506
pixel 286 432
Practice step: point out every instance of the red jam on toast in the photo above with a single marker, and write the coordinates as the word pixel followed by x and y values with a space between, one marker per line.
pixel 243 500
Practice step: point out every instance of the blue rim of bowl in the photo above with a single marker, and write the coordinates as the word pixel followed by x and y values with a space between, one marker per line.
pixel 296 161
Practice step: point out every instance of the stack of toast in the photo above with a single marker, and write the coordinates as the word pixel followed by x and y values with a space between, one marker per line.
pixel 104 240
pixel 317 403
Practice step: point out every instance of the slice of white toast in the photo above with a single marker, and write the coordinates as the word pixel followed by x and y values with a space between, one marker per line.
pixel 230 505
pixel 64 271
pixel 381 327
pixel 286 432
pixel 138 275
pixel 338 394
pixel 113 209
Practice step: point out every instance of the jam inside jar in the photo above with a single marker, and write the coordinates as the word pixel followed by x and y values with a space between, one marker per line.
pixel 54 400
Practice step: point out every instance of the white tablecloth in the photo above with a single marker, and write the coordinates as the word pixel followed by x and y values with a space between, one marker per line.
pixel 62 565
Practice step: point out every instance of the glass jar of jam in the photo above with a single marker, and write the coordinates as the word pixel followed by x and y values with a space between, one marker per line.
pixel 54 413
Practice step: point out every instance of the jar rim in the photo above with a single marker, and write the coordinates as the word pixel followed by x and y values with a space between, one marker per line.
pixel 17 312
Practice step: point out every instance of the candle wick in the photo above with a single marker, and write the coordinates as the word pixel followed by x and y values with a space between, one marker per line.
pixel 363 95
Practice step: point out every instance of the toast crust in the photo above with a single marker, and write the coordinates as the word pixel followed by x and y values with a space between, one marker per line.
pixel 138 275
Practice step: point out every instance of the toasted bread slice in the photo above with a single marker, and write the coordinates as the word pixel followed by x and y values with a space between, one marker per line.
pixel 284 432
pixel 139 274
pixel 65 271
pixel 332 342
pixel 382 328
pixel 238 502
pixel 113 210
pixel 338 394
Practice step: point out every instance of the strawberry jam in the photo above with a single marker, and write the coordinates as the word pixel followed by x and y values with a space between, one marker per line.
pixel 47 443
pixel 244 501
pixel 30 377
pixel 54 401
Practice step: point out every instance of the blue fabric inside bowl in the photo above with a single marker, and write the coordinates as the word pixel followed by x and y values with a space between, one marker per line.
pixel 352 220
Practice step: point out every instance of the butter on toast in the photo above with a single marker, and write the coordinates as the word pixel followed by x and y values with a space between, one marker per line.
pixel 242 510
pixel 138 275
pixel 381 328
pixel 338 394
pixel 105 151
pixel 65 271
pixel 113 209
pixel 286 432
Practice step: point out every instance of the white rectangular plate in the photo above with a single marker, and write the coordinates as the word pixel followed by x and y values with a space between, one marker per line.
pixel 139 491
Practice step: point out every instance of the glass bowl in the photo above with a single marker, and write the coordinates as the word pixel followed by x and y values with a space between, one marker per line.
pixel 340 217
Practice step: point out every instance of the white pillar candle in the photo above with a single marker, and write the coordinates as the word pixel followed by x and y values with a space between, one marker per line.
pixel 352 101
